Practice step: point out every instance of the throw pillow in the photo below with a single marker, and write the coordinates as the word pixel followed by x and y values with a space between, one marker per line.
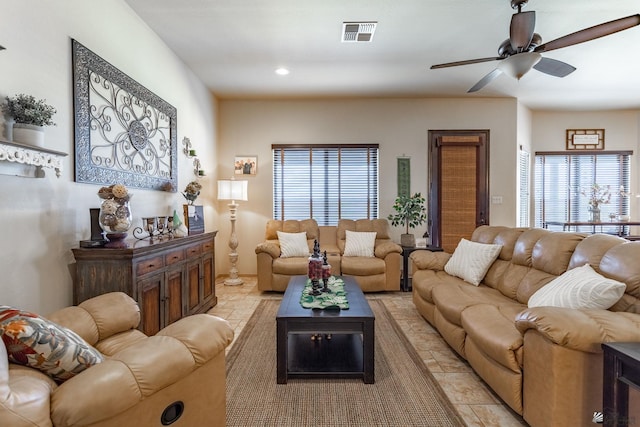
pixel 34 341
pixel 360 243
pixel 471 260
pixel 293 244
pixel 580 287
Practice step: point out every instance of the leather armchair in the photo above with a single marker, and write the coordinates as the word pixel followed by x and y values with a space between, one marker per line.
pixel 179 372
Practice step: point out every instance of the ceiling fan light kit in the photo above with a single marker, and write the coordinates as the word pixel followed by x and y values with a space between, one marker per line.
pixel 518 65
pixel 523 50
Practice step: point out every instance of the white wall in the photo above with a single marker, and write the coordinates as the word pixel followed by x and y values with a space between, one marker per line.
pixel 400 126
pixel 42 219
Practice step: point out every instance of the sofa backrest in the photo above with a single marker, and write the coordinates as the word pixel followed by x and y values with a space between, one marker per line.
pixel 531 258
pixel 380 226
pixel 292 226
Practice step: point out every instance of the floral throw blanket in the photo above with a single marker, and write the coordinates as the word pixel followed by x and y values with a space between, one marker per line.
pixel 336 298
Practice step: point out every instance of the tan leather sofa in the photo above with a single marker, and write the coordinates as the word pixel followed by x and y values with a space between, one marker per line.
pixel 544 362
pixel 373 274
pixel 140 377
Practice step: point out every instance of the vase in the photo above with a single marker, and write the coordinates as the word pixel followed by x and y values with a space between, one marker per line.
pixel 408 240
pixel 594 214
pixel 28 134
pixel 115 220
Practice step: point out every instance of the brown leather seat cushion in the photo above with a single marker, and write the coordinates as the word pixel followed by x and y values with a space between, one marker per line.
pixel 362 266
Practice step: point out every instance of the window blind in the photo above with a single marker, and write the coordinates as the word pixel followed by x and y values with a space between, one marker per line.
pixel 560 179
pixel 523 189
pixel 325 182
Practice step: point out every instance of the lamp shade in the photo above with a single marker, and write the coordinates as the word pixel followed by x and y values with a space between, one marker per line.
pixel 230 189
pixel 520 64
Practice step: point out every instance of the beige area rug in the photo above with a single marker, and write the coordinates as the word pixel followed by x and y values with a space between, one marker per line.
pixel 404 394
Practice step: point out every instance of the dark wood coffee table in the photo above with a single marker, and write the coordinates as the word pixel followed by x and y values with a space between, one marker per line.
pixel 349 353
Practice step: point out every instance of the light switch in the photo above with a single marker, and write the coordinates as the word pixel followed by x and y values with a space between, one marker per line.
pixel 496 200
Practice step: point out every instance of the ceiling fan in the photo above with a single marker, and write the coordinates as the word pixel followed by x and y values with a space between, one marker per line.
pixel 522 50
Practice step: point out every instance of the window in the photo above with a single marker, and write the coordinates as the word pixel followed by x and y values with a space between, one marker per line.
pixel 523 188
pixel 325 182
pixel 560 178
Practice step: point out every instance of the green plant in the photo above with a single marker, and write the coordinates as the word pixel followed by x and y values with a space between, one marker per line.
pixel 29 110
pixel 410 211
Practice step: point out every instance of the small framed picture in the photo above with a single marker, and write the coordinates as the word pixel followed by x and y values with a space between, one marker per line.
pixel 246 165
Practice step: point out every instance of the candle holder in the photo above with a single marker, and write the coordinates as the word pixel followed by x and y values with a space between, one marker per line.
pixel 160 227
pixel 326 273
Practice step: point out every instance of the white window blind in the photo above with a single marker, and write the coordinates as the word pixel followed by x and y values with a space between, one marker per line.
pixel 325 182
pixel 560 177
pixel 523 189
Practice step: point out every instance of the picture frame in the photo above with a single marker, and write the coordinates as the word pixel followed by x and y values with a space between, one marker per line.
pixel 194 219
pixel 245 165
pixel 585 139
pixel 124 133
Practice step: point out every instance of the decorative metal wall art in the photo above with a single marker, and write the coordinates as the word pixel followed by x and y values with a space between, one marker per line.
pixel 123 132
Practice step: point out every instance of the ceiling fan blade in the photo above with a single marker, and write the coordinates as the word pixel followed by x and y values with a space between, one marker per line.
pixel 521 30
pixel 485 80
pixel 591 33
pixel 467 62
pixel 553 67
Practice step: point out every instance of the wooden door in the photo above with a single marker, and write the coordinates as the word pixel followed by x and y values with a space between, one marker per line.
pixel 458 185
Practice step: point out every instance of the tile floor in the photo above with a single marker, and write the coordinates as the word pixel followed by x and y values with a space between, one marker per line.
pixel 475 401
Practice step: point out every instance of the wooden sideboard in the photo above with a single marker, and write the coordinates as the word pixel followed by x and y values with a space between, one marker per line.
pixel 169 278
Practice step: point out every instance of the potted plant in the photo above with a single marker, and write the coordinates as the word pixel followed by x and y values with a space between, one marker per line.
pixel 411 213
pixel 30 115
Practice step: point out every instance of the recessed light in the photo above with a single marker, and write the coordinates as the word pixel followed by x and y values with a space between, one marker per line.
pixel 282 71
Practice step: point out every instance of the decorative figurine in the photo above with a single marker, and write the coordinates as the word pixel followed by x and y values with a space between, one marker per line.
pixel 315 269
pixel 326 272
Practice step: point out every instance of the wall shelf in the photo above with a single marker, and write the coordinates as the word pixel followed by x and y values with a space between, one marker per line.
pixel 14 154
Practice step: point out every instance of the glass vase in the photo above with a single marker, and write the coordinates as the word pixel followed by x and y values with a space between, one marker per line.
pixel 115 219
pixel 594 214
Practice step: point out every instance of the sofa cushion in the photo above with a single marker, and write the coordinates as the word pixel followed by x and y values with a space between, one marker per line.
pixel 454 297
pixel 470 261
pixel 362 266
pixel 293 244
pixel 493 330
pixel 580 287
pixel 359 243
pixel 34 341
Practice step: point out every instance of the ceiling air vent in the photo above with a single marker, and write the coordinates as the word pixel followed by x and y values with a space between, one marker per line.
pixel 354 32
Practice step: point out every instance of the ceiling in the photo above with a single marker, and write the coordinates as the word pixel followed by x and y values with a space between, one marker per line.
pixel 234 46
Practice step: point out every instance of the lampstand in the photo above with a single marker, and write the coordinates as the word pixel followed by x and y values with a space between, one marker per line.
pixel 230 189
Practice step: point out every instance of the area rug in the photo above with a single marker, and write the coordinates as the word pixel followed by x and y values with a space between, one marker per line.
pixel 404 394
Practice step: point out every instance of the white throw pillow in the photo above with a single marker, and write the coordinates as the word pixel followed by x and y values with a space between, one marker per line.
pixel 580 287
pixel 293 244
pixel 360 243
pixel 471 260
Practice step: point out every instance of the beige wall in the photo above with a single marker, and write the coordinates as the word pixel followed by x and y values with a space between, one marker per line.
pixel 622 132
pixel 400 126
pixel 42 219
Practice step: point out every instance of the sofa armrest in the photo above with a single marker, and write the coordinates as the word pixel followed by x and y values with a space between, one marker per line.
pixel 427 260
pixel 140 370
pixel 383 249
pixel 582 330
pixel 268 248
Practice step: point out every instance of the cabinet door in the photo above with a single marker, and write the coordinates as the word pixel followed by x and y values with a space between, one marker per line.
pixel 208 280
pixel 150 301
pixel 194 286
pixel 174 297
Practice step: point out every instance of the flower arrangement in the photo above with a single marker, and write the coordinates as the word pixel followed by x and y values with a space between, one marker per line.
pixel 598 195
pixel 115 215
pixel 28 110
pixel 192 191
